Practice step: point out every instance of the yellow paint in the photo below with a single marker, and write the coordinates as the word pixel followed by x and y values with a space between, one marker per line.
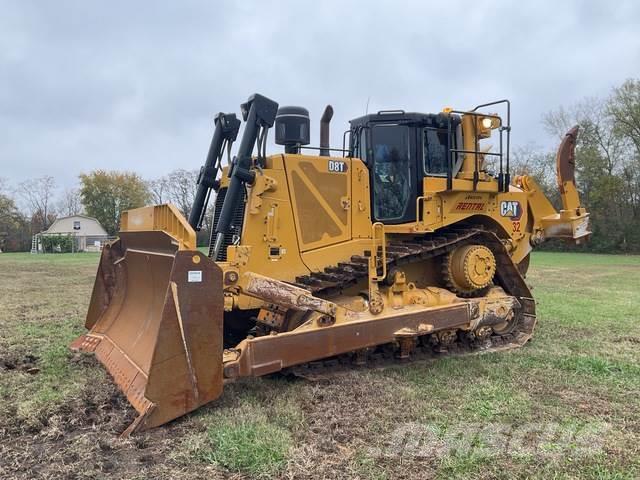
pixel 305 213
pixel 163 218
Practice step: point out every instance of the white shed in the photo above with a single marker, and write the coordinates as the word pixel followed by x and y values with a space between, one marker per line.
pixel 86 231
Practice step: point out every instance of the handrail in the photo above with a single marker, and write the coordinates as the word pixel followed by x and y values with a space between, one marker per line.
pixel 420 218
pixel 504 174
pixel 378 242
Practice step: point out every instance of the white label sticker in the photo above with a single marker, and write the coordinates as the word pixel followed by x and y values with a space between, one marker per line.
pixel 337 166
pixel 194 276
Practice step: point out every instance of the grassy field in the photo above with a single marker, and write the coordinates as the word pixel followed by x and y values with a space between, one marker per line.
pixel 577 382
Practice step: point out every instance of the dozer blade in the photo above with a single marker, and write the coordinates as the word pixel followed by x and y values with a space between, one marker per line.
pixel 155 323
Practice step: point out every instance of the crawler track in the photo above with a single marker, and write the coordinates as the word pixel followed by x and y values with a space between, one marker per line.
pixel 334 279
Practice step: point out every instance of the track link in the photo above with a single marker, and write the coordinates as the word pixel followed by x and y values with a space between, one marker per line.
pixel 334 279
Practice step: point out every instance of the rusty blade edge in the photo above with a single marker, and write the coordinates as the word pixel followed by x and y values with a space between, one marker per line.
pixel 90 343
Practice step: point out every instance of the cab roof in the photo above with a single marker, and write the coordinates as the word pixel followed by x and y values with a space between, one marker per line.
pixel 436 120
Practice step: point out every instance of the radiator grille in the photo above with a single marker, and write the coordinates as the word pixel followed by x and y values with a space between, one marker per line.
pixel 236 224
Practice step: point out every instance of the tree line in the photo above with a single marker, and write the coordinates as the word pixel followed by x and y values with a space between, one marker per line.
pixel 607 172
pixel 607 165
pixel 33 205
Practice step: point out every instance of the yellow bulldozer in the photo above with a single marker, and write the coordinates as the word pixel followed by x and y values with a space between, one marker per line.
pixel 411 240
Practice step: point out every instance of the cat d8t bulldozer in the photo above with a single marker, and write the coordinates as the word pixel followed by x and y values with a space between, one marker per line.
pixel 410 240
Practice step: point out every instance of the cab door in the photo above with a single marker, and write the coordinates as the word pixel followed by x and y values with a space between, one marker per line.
pixel 391 158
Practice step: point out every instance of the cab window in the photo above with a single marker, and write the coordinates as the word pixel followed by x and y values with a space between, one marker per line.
pixel 361 145
pixel 435 151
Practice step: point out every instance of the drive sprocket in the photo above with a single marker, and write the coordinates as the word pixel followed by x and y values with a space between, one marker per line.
pixel 469 269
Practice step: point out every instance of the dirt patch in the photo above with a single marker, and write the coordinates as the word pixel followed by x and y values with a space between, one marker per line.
pixel 81 439
pixel 26 363
pixel 345 414
pixel 629 339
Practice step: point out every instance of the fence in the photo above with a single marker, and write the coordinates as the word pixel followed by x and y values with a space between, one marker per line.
pixel 67 243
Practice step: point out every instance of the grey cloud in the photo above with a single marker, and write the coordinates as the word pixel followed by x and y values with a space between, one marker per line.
pixel 135 85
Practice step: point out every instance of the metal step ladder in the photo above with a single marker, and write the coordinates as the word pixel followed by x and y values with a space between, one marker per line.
pixel 34 244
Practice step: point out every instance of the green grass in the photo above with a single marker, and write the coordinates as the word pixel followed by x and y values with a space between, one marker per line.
pixel 58 378
pixel 582 367
pixel 580 372
pixel 54 259
pixel 43 300
pixel 255 446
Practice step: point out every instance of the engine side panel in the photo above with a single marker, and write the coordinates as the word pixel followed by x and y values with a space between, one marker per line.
pixel 320 189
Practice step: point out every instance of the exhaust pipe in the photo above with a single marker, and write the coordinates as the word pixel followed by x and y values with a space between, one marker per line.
pixel 324 131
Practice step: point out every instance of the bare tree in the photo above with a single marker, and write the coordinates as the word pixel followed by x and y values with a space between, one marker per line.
pixel 14 229
pixel 158 189
pixel 530 160
pixel 181 189
pixel 70 203
pixel 596 129
pixel 38 194
pixel 540 165
pixel 624 108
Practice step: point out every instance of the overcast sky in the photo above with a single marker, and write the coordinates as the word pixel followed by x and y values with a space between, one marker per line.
pixel 135 85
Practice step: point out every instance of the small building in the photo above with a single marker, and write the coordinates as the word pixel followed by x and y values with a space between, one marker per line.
pixel 86 233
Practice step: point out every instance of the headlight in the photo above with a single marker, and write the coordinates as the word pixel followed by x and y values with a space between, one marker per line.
pixel 487 122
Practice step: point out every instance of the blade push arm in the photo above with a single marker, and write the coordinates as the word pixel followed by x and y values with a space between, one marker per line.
pixel 225 133
pixel 259 114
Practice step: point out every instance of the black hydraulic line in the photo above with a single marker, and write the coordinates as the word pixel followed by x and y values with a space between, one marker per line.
pixel 450 156
pixel 501 174
pixel 344 143
pixel 259 114
pixel 226 131
pixel 507 176
pixel 476 161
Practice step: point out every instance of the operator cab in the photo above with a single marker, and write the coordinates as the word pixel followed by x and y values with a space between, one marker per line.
pixel 400 149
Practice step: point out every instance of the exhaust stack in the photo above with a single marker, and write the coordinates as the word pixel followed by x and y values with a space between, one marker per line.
pixel 324 131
